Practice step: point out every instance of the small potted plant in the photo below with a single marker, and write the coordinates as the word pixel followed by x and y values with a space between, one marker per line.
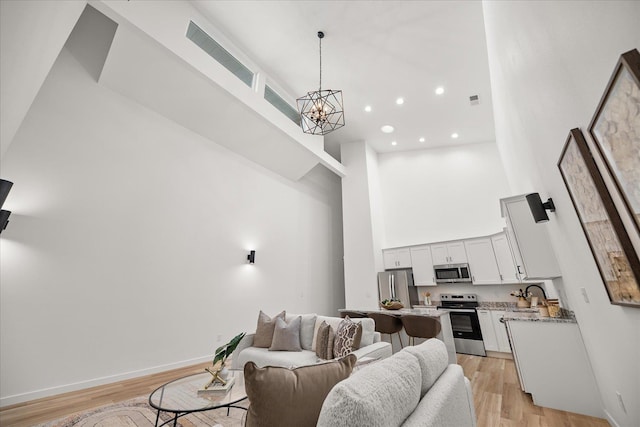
pixel 522 298
pixel 218 369
pixel 427 298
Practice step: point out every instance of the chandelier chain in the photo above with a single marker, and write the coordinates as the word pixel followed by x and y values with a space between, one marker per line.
pixel 320 85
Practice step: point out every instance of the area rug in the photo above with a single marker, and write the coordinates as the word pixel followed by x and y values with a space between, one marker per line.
pixel 137 413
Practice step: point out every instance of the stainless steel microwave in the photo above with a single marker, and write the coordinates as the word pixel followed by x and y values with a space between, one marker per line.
pixel 452 273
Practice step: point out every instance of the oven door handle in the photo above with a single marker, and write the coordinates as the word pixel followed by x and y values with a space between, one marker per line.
pixel 459 310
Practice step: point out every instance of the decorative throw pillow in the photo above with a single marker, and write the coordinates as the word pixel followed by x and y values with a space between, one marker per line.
pixel 286 336
pixel 264 330
pixel 346 336
pixel 324 343
pixel 291 397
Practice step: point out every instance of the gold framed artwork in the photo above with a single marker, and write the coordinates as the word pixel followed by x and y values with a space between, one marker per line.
pixel 608 240
pixel 615 129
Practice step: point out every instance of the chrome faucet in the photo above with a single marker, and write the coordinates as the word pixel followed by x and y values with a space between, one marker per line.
pixel 544 295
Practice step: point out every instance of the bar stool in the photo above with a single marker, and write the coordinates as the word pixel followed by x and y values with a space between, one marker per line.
pixel 420 327
pixel 388 324
pixel 353 314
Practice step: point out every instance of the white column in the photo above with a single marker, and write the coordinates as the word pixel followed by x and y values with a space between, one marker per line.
pixel 362 225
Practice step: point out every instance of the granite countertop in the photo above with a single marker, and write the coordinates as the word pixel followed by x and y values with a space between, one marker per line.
pixel 512 312
pixel 533 315
pixel 427 311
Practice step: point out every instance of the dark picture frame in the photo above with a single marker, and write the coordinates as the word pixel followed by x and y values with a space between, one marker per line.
pixel 615 129
pixel 608 240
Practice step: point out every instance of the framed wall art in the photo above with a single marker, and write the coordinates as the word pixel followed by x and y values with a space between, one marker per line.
pixel 615 129
pixel 610 244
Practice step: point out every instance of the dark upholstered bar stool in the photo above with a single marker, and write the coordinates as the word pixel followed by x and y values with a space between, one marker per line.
pixel 387 324
pixel 353 314
pixel 420 326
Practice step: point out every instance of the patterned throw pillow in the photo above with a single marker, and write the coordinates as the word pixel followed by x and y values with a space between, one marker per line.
pixel 346 337
pixel 264 329
pixel 324 343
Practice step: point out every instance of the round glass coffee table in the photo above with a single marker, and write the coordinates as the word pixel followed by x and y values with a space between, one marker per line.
pixel 181 397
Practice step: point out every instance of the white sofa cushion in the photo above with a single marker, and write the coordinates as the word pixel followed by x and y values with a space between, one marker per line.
pixel 433 358
pixel 381 394
pixel 446 404
pixel 263 357
pixel 307 327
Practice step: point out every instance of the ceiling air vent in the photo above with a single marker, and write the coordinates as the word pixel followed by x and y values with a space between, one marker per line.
pixel 220 54
pixel 474 100
pixel 276 100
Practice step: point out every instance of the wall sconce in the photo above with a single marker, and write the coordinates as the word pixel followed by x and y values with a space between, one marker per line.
pixel 4 219
pixel 5 187
pixel 251 257
pixel 539 209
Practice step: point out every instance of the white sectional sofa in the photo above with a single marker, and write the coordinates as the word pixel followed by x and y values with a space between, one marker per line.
pixel 371 345
pixel 415 387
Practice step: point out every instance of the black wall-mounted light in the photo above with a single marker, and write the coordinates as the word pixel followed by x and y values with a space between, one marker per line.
pixel 4 219
pixel 251 257
pixel 5 187
pixel 539 209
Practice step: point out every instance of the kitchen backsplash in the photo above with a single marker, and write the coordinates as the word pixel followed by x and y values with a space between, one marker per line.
pixel 484 292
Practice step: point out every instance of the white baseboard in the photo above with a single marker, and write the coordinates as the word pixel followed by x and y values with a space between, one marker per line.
pixel 611 420
pixel 51 391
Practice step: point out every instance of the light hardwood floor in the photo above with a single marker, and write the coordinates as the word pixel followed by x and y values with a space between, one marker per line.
pixel 499 402
pixel 51 408
pixel 497 396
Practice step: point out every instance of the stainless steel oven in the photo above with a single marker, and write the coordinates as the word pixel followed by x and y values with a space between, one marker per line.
pixel 465 324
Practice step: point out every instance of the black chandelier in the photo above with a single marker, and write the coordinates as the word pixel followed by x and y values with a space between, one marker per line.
pixel 321 111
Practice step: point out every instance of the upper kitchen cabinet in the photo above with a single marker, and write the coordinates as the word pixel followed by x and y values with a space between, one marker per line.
pixel 396 258
pixel 530 242
pixel 422 265
pixel 449 253
pixel 482 261
pixel 504 258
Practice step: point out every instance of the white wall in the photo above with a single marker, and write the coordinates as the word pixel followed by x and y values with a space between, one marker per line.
pixel 126 250
pixel 31 35
pixel 441 194
pixel 550 63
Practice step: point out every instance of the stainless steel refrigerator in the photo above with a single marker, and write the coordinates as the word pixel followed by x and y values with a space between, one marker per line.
pixel 398 284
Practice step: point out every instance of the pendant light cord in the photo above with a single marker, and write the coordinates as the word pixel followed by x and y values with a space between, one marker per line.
pixel 320 36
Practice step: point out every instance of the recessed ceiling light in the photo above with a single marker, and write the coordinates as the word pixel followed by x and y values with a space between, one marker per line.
pixel 387 128
pixel 421 140
pixel 439 90
pixel 454 135
pixel 394 143
pixel 400 101
pixel 367 108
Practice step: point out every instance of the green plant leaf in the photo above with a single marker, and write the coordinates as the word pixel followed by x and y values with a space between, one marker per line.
pixel 226 350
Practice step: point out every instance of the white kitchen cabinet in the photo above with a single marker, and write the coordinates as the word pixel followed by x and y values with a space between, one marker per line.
pixel 482 261
pixel 504 258
pixel 396 258
pixel 494 333
pixel 449 253
pixel 488 331
pixel 501 331
pixel 553 366
pixel 530 241
pixel 422 265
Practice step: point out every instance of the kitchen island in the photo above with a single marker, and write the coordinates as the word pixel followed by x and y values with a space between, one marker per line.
pixel 551 361
pixel 445 335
